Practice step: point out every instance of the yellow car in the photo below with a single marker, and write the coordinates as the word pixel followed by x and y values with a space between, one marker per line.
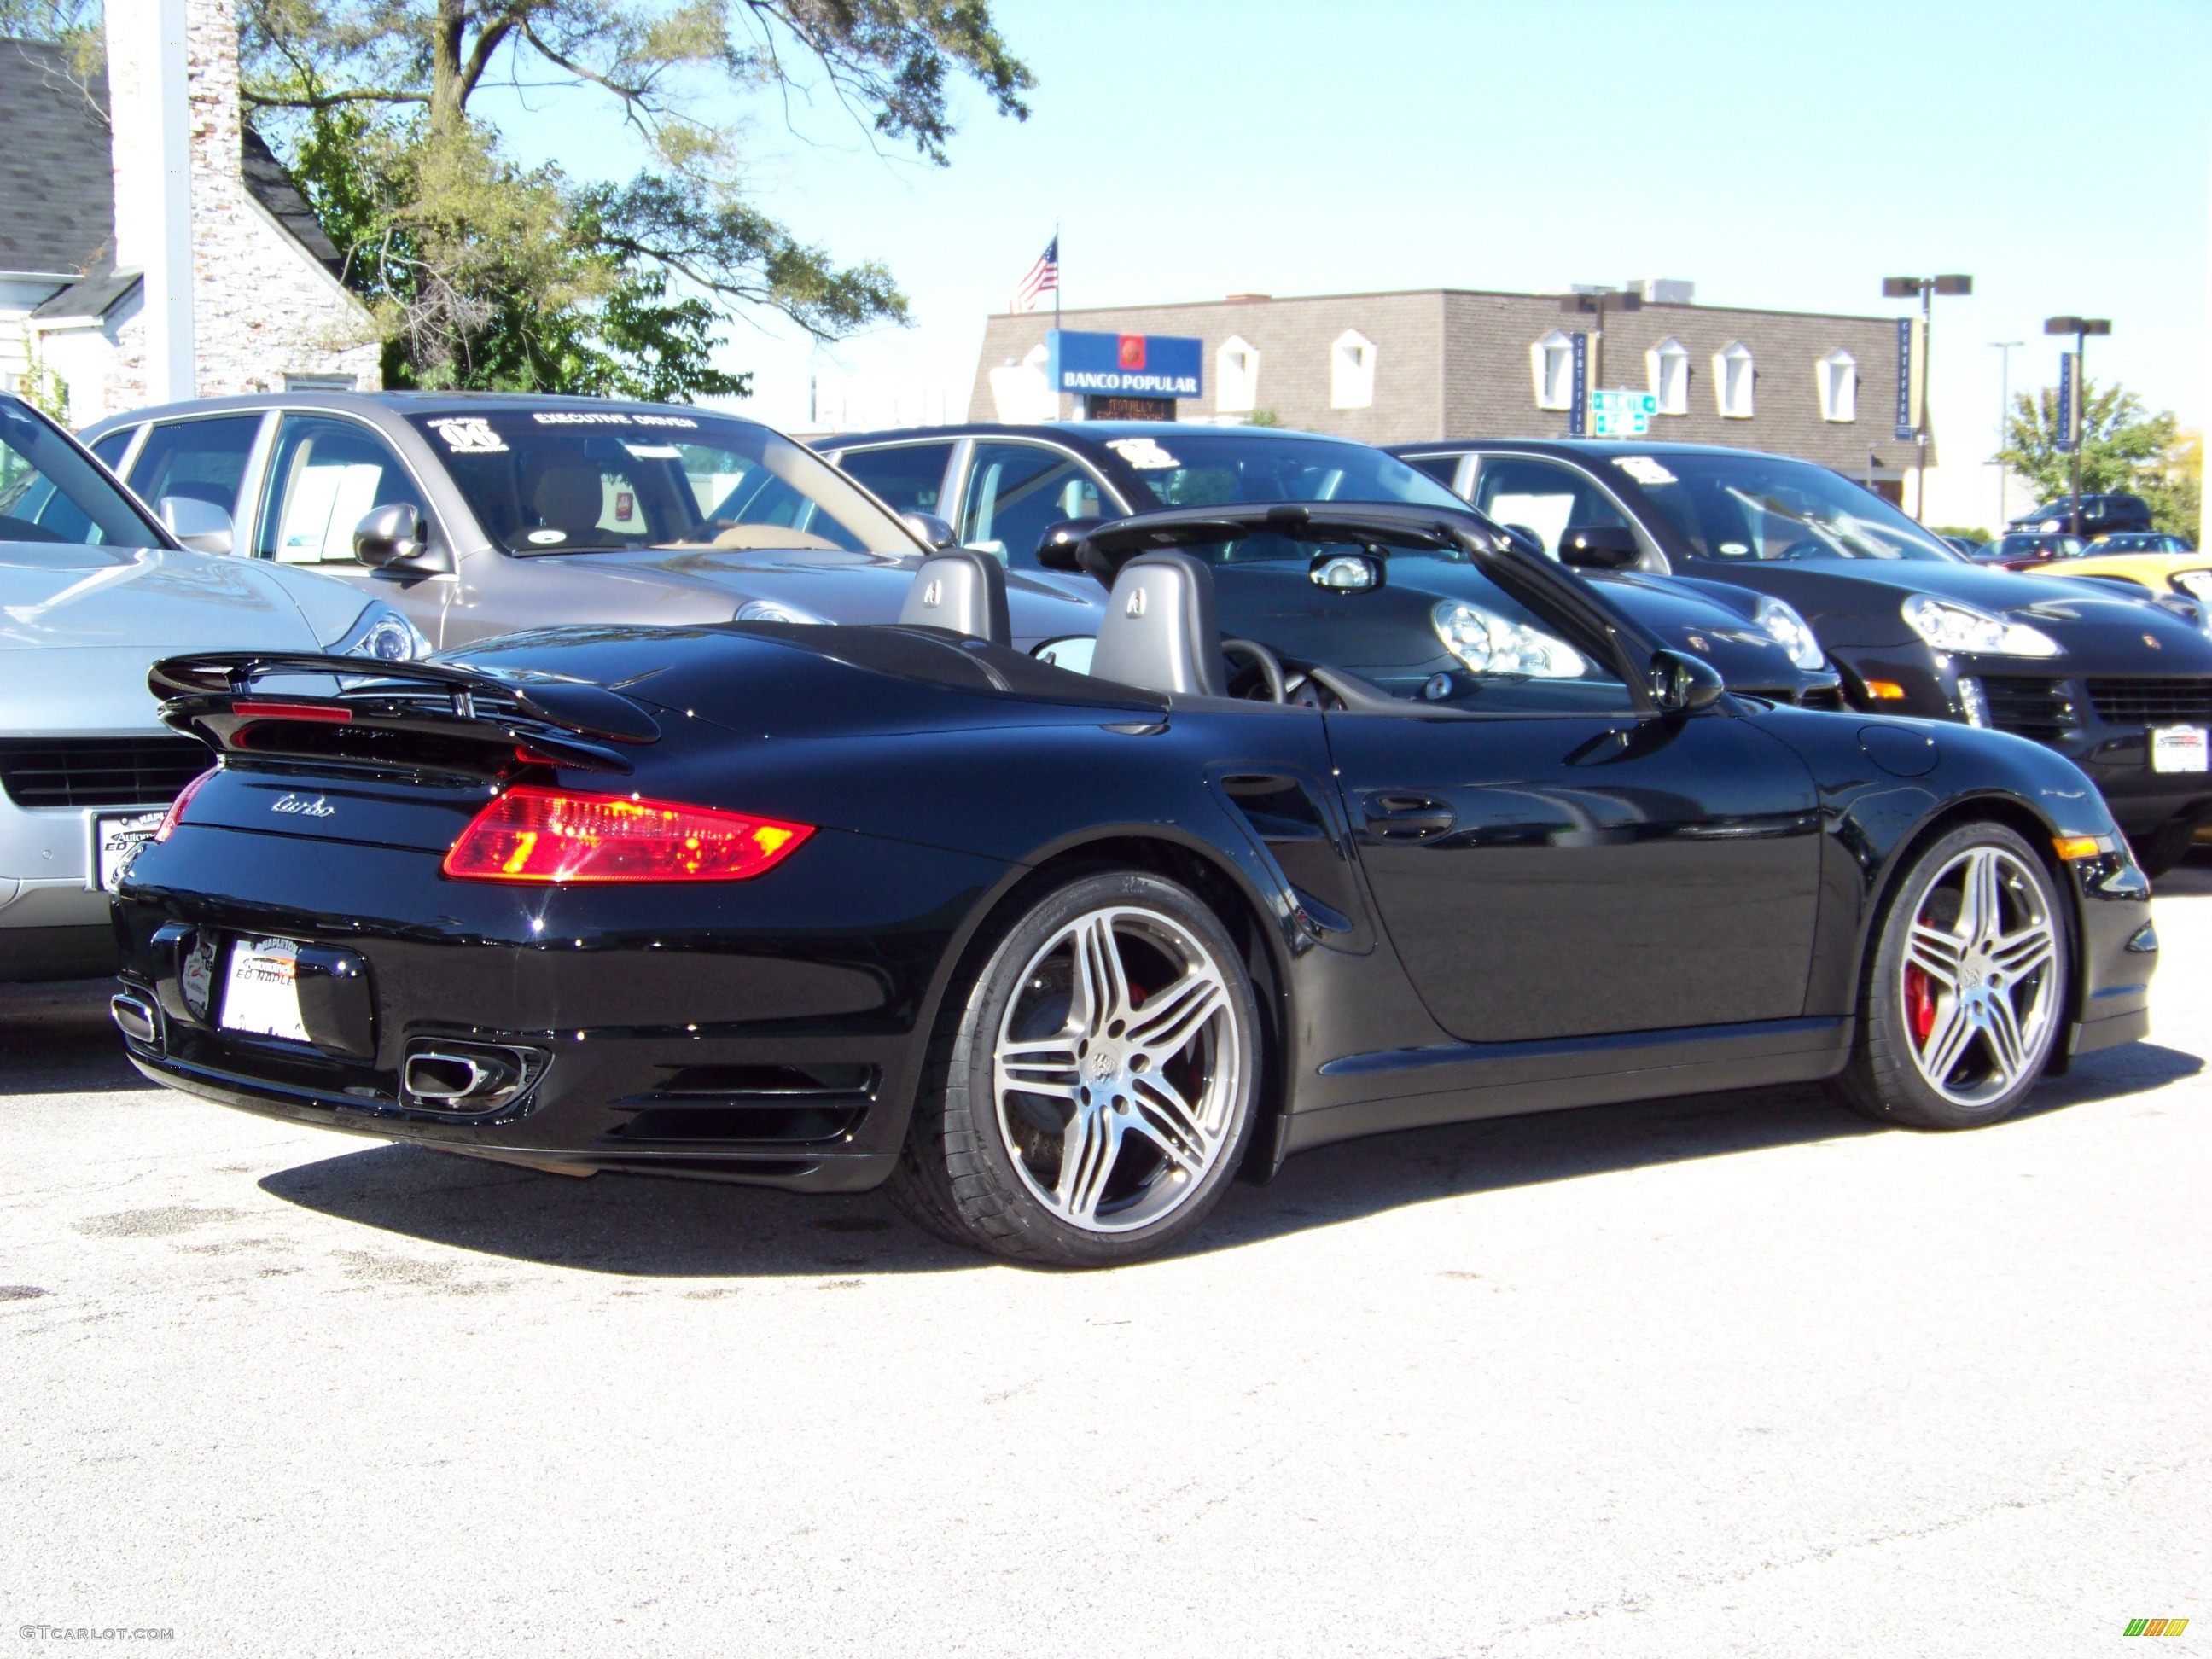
pixel 2161 563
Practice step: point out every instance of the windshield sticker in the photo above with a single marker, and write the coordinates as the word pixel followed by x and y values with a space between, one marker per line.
pixel 1143 453
pixel 471 435
pixel 548 538
pixel 655 452
pixel 1645 469
pixel 606 418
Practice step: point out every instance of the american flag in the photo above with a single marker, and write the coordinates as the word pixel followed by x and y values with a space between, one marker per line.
pixel 1043 278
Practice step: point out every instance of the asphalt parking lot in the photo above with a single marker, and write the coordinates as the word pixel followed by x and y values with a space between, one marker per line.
pixel 1735 1374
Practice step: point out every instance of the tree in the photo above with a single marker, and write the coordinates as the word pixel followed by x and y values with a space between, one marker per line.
pixel 2176 490
pixel 484 273
pixel 2119 442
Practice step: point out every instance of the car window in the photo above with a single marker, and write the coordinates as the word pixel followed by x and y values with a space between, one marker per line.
pixel 1193 466
pixel 1444 469
pixel 113 445
pixel 566 479
pixel 204 460
pixel 50 492
pixel 1016 491
pixel 910 477
pixel 1733 506
pixel 323 478
pixel 1542 497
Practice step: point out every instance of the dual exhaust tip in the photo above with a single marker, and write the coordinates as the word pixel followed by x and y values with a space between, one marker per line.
pixel 450 1077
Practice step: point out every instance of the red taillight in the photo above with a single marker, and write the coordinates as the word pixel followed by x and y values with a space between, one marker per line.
pixel 175 814
pixel 255 708
pixel 542 834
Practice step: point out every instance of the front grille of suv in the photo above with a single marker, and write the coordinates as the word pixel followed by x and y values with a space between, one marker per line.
pixel 2036 708
pixel 100 771
pixel 2149 702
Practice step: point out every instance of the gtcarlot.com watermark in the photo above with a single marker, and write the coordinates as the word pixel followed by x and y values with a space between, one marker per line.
pixel 37 1632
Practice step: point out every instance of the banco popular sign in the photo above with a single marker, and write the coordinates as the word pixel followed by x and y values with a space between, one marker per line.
pixel 1128 365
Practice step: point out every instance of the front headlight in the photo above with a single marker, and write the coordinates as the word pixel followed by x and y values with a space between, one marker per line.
pixel 1950 626
pixel 1782 623
pixel 382 632
pixel 2195 583
pixel 1489 644
pixel 769 611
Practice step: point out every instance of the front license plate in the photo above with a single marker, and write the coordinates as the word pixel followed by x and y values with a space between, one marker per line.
pixel 2176 749
pixel 115 837
pixel 261 994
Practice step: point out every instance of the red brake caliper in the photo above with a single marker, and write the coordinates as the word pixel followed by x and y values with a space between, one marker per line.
pixel 1919 1005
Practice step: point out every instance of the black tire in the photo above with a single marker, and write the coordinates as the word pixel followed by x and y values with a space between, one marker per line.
pixel 1889 1075
pixel 957 1175
pixel 2157 851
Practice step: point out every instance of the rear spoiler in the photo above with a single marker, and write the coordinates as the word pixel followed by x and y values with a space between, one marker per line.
pixel 212 695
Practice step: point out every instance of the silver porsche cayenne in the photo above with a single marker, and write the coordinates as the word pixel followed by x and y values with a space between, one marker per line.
pixel 92 590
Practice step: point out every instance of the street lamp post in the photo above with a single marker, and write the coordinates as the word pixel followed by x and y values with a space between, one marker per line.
pixel 2080 328
pixel 1904 288
pixel 2004 350
pixel 1586 299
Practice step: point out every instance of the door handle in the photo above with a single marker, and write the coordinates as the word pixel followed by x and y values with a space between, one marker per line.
pixel 1407 818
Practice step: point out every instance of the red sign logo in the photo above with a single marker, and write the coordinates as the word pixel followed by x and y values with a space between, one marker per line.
pixel 1132 351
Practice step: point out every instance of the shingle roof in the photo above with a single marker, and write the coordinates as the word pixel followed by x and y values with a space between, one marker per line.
pixel 95 296
pixel 56 186
pixel 273 188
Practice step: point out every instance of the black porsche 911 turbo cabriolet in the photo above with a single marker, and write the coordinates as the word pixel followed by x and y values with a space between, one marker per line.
pixel 1055 955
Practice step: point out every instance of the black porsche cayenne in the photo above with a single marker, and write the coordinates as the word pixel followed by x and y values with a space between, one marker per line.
pixel 1056 956
pixel 2121 685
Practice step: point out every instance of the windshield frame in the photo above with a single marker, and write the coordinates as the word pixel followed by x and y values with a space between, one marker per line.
pixel 876 531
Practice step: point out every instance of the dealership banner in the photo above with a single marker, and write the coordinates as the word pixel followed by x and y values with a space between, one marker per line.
pixel 1129 365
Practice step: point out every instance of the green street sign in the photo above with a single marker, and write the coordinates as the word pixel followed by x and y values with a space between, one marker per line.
pixel 1621 413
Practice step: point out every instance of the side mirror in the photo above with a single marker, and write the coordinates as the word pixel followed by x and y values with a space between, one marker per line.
pixel 1525 539
pixel 1339 572
pixel 201 526
pixel 1056 548
pixel 933 531
pixel 1598 546
pixel 393 537
pixel 1682 684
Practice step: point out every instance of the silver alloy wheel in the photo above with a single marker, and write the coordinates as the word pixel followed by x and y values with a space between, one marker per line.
pixel 1978 985
pixel 1117 1069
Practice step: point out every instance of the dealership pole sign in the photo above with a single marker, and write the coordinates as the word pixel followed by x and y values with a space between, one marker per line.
pixel 1124 365
pixel 1576 426
pixel 1906 425
pixel 2069 430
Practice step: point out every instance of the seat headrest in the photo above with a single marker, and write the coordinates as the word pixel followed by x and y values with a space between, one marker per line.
pixel 570 498
pixel 961 589
pixel 1159 631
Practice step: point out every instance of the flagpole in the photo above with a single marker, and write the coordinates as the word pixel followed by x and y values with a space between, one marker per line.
pixel 1055 273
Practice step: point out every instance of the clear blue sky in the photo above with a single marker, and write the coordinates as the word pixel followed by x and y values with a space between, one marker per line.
pixel 1786 156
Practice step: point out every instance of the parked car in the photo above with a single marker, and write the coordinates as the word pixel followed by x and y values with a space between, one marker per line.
pixel 92 589
pixel 1055 956
pixel 1965 546
pixel 2142 541
pixel 477 513
pixel 2101 515
pixel 2116 682
pixel 1002 489
pixel 2184 572
pixel 2021 550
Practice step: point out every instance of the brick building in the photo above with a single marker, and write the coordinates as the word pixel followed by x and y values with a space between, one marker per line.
pixel 1460 363
pixel 151 245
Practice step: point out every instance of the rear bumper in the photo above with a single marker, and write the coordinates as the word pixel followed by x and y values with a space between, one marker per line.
pixel 764 1032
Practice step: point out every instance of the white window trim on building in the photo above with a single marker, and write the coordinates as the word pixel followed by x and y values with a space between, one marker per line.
pixel 1668 364
pixel 1551 365
pixel 1351 371
pixel 1236 377
pixel 1734 375
pixel 1836 377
